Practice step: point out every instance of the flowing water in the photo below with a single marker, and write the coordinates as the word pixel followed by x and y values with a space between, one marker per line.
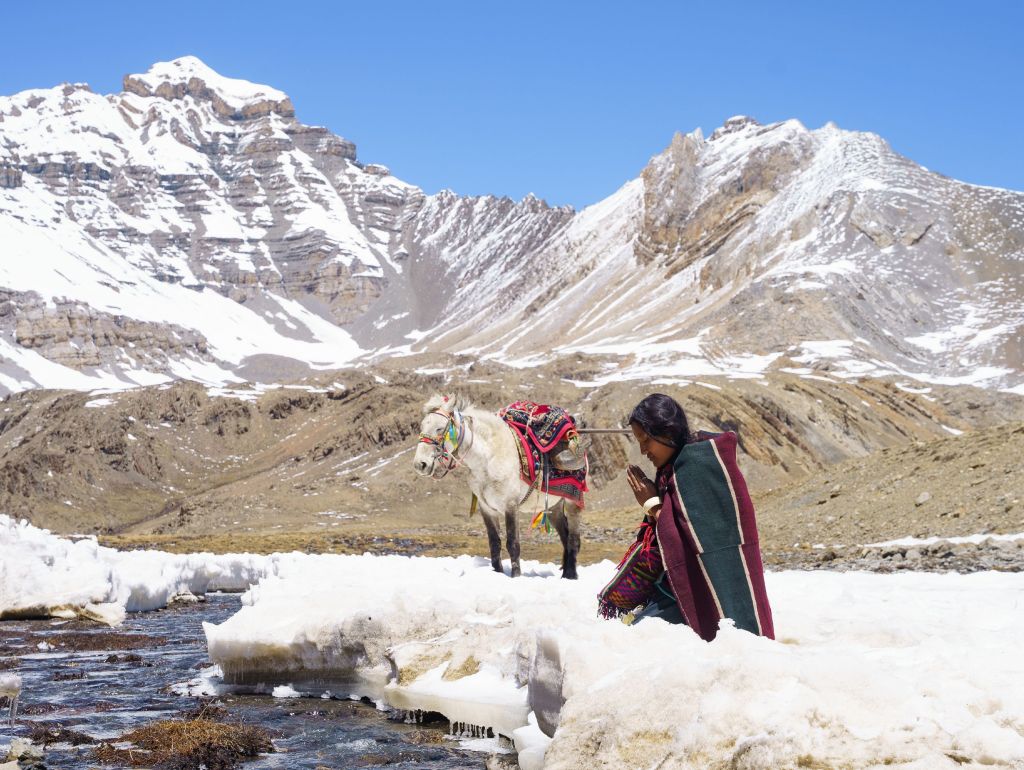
pixel 104 696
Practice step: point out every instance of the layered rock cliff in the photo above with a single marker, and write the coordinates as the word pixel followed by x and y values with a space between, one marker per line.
pixel 191 227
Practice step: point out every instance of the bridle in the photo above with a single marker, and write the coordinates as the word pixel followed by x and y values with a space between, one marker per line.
pixel 453 433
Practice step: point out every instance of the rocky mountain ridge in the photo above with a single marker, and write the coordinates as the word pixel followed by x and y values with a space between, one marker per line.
pixel 67 451
pixel 196 202
pixel 191 227
pixel 327 463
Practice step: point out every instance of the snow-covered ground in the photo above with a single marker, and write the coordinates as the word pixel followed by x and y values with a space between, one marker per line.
pixel 907 670
pixel 45 575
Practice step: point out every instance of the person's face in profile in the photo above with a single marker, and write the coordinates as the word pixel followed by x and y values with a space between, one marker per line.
pixel 658 450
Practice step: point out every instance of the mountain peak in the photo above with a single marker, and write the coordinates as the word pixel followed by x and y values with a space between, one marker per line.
pixel 732 125
pixel 190 76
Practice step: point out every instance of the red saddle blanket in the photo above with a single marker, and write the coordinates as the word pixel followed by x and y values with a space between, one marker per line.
pixel 538 429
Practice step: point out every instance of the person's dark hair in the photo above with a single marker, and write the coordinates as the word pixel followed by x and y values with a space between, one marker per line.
pixel 661 416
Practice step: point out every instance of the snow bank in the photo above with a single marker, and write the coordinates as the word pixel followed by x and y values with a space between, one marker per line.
pixel 44 575
pixel 869 669
pixel 911 670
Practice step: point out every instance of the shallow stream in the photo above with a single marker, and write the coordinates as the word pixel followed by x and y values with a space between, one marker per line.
pixel 93 692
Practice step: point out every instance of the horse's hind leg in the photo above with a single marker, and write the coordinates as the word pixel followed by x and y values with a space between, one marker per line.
pixel 557 515
pixel 570 523
pixel 493 540
pixel 512 538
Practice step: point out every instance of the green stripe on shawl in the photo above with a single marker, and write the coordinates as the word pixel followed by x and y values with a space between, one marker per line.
pixel 729 579
pixel 710 509
pixel 707 497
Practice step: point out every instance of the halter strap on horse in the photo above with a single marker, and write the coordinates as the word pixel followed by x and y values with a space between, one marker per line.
pixel 454 433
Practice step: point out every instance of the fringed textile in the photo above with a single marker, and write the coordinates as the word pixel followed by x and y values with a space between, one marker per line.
pixel 633 583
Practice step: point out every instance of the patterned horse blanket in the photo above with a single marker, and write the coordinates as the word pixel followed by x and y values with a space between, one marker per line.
pixel 539 428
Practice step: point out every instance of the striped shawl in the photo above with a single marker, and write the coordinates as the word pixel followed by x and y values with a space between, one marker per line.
pixel 708 538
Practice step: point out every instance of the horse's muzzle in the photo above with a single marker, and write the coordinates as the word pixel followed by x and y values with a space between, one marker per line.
pixel 423 467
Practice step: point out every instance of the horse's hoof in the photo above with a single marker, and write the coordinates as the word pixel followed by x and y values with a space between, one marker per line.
pixel 569 575
pixel 516 572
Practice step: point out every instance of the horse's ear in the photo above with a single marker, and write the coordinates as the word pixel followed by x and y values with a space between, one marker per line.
pixel 459 402
pixel 436 401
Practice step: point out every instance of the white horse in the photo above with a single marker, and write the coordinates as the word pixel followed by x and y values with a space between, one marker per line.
pixel 455 433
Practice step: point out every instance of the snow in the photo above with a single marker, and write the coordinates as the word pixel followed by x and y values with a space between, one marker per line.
pixel 973 539
pixel 651 313
pixel 901 670
pixel 77 269
pixel 42 372
pixel 137 268
pixel 233 91
pixel 44 574
pixel 10 685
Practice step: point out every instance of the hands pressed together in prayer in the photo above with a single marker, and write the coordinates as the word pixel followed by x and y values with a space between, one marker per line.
pixel 644 490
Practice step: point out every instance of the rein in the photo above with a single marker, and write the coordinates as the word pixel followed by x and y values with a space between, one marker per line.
pixel 454 433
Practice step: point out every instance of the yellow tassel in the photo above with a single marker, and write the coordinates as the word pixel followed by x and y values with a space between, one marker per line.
pixel 539 519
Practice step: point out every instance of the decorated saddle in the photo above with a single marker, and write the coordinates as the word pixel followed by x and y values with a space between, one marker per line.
pixel 539 429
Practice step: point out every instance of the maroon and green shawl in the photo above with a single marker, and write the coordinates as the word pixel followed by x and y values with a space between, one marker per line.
pixel 708 538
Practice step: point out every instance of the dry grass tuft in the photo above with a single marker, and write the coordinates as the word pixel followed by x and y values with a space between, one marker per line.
pixel 209 709
pixel 178 745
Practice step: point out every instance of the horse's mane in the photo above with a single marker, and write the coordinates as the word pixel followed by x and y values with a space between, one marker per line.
pixel 450 401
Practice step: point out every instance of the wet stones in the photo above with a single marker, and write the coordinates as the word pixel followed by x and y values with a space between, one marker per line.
pixel 23 755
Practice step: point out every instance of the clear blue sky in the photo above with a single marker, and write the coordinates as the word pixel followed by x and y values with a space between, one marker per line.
pixel 570 100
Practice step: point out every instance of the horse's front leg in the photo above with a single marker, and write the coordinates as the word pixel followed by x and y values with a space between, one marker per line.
pixel 512 538
pixel 493 538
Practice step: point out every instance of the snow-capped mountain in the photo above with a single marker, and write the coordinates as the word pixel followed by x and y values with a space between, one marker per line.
pixel 776 246
pixel 191 227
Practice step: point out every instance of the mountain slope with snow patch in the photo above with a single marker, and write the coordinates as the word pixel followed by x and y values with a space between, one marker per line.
pixel 191 227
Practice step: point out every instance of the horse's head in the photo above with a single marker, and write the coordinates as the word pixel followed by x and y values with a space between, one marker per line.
pixel 441 433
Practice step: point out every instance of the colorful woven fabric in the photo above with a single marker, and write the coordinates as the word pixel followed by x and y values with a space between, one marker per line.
pixel 538 428
pixel 633 583
pixel 546 425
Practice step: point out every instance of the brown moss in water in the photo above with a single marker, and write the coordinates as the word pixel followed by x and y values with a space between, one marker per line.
pixel 76 641
pixel 45 734
pixel 178 744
